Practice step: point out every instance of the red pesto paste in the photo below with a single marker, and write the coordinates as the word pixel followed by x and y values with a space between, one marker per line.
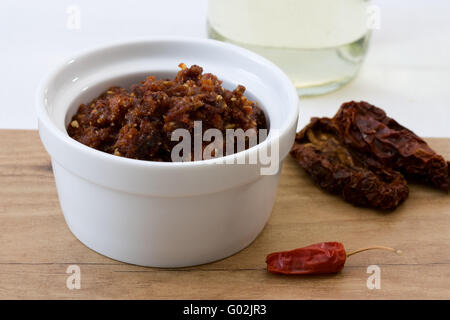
pixel 138 123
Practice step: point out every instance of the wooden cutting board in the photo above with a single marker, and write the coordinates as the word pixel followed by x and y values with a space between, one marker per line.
pixel 36 247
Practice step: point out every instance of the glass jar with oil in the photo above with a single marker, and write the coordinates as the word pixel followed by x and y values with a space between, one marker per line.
pixel 320 44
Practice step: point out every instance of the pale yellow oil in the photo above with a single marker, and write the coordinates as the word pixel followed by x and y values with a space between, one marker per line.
pixel 320 44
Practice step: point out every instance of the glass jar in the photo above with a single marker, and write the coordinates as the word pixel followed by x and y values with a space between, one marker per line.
pixel 320 44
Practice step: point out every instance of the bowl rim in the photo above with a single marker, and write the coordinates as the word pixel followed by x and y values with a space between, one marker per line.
pixel 44 118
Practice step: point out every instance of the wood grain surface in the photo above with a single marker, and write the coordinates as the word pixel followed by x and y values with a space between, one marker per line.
pixel 36 247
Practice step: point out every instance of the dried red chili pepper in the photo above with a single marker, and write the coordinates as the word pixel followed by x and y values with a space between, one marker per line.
pixel 319 258
pixel 325 257
pixel 368 129
pixel 355 176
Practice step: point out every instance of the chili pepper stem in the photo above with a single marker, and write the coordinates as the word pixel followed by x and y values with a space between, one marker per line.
pixel 374 248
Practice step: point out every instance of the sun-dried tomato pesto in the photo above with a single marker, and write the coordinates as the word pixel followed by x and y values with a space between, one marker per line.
pixel 138 123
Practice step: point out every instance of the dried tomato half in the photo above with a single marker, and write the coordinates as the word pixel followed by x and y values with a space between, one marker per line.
pixel 368 129
pixel 357 177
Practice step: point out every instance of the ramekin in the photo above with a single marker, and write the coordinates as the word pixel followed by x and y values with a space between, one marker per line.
pixel 163 214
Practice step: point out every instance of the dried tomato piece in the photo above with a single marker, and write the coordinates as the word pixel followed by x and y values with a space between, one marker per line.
pixel 368 129
pixel 358 178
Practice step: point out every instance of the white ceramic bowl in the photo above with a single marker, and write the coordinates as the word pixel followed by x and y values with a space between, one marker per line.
pixel 163 214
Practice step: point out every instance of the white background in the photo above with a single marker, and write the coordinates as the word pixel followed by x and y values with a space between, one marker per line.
pixel 407 70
